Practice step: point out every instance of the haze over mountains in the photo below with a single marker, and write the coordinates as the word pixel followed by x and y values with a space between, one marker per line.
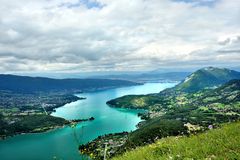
pixel 202 78
pixel 24 84
pixel 148 76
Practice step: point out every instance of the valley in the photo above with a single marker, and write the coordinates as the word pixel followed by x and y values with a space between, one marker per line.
pixel 119 80
pixel 48 145
pixel 26 103
pixel 124 118
pixel 177 111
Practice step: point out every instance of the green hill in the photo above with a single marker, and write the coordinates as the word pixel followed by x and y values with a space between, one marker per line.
pixel 209 77
pixel 171 115
pixel 182 110
pixel 135 101
pixel 228 94
pixel 222 143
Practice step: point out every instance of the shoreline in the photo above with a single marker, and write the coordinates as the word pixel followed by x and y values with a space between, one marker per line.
pixel 79 126
pixel 70 123
pixel 39 130
pixel 49 129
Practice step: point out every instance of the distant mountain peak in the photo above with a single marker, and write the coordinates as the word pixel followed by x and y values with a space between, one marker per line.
pixel 208 77
pixel 210 68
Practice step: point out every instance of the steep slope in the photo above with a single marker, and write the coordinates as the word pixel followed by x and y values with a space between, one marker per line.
pixel 225 96
pixel 205 106
pixel 204 78
pixel 219 143
pixel 170 114
pixel 207 78
pixel 229 86
pixel 228 93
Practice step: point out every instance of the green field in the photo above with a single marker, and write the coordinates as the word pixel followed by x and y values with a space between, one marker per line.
pixel 221 143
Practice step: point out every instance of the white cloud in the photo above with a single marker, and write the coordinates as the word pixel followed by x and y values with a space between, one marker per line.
pixel 68 35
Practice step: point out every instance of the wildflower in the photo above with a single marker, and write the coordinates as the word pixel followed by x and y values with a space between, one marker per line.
pixel 210 127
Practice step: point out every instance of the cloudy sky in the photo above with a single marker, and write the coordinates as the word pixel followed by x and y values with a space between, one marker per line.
pixel 117 35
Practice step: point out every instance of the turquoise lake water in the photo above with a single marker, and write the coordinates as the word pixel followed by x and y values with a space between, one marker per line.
pixel 63 143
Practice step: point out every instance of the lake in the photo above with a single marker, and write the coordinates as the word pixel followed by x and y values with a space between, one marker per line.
pixel 63 143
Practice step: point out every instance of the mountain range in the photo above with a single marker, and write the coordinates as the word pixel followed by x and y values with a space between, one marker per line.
pixel 153 76
pixel 25 84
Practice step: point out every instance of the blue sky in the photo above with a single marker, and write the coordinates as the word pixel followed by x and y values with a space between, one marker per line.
pixel 200 2
pixel 71 36
pixel 88 3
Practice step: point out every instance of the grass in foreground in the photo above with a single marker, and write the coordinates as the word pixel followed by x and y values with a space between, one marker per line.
pixel 222 143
